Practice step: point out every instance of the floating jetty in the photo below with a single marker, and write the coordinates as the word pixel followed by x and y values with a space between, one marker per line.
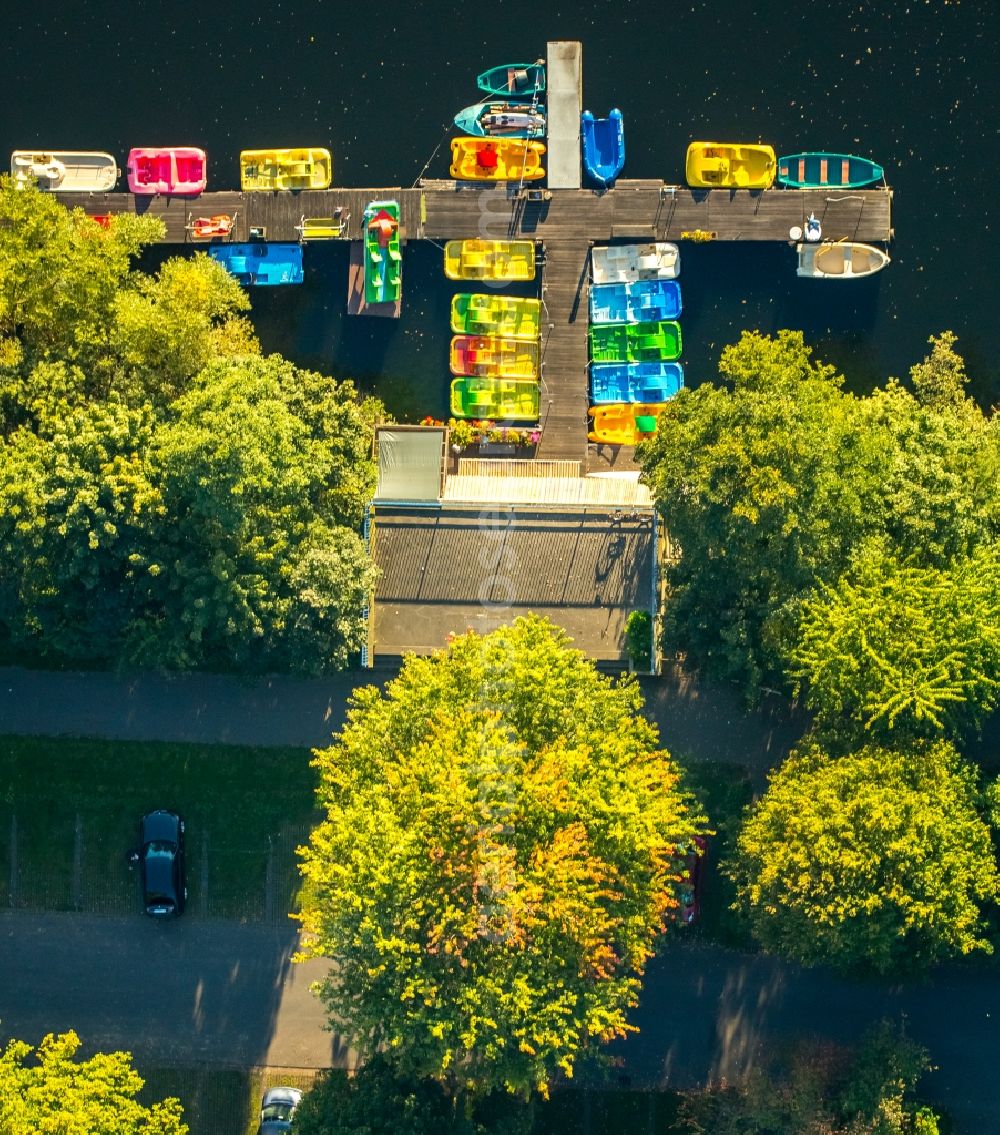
pixel 563 220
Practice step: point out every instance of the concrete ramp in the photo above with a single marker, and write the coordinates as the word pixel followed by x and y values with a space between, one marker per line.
pixel 564 98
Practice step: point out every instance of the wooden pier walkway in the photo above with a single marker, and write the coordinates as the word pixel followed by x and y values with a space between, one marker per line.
pixel 565 225
pixel 443 210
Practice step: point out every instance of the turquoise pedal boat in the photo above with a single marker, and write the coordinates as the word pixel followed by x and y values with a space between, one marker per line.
pixel 261 264
pixel 635 382
pixel 643 301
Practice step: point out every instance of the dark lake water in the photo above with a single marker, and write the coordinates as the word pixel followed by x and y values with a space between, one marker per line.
pixel 912 83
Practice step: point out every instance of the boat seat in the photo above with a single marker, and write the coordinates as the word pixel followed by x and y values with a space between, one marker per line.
pixel 375 255
pixel 395 254
pixel 714 165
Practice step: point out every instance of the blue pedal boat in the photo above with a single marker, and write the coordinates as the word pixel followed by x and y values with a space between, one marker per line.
pixel 603 146
pixel 259 263
pixel 642 301
pixel 634 382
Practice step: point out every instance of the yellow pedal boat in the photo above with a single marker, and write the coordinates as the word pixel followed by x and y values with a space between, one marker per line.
pixel 715 165
pixel 489 260
pixel 489 356
pixel 496 159
pixel 501 399
pixel 308 167
pixel 624 424
pixel 480 314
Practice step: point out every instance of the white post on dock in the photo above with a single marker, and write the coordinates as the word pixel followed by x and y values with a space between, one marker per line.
pixel 564 100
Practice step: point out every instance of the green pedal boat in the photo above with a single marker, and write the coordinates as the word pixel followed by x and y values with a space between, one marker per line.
pixel 498 399
pixel 473 313
pixel 383 255
pixel 635 342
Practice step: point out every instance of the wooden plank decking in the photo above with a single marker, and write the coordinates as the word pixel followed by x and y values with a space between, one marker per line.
pixel 565 388
pixel 633 210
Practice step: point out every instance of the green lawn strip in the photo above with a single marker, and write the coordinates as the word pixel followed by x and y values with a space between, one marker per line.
pixel 238 803
pixel 216 1101
pixel 723 790
pixel 219 1100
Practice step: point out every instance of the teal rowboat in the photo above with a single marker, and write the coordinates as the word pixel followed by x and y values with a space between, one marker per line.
pixel 513 80
pixel 820 170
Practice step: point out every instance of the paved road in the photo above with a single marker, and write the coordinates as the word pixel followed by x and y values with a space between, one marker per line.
pixel 187 991
pixel 696 721
pixel 227 993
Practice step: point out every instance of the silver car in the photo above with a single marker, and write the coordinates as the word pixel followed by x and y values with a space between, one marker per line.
pixel 276 1110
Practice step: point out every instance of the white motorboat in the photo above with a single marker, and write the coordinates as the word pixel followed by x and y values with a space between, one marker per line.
pixel 64 171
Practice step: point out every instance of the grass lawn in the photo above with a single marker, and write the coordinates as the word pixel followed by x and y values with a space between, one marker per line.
pixel 69 811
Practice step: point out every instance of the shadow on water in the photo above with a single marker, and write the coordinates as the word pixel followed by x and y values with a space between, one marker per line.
pixel 404 361
pixel 731 288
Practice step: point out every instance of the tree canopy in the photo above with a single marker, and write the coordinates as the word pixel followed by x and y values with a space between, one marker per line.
pixel 770 482
pixel 501 851
pixel 222 534
pixel 78 320
pixel 892 650
pixel 876 860
pixel 168 497
pixel 48 1089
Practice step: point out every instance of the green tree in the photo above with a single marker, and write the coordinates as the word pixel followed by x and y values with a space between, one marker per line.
pixel 877 860
pixel 224 536
pixel 940 380
pixel 937 499
pixel 76 513
pixel 770 483
pixel 264 471
pixel 753 485
pixel 498 859
pixel 60 276
pixel 48 1089
pixel 166 328
pixel 78 322
pixel 894 650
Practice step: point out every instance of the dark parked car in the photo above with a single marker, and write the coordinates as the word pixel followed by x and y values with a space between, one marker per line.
pixel 161 863
pixel 276 1110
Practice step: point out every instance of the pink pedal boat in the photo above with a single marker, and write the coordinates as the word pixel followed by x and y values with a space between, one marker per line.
pixel 177 170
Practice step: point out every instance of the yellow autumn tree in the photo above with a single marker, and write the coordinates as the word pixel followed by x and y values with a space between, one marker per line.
pixel 500 854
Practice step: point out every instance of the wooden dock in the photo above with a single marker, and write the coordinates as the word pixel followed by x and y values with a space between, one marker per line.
pixel 564 225
pixel 443 210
